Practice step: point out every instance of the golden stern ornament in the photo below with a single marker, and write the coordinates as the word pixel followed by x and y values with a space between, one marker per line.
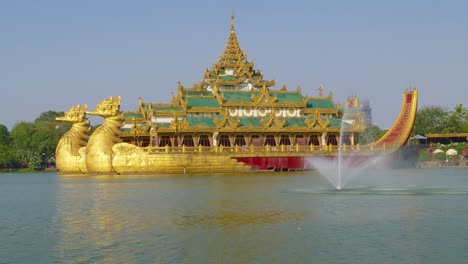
pixel 73 142
pixel 99 150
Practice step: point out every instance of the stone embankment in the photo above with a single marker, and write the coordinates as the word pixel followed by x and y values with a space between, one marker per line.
pixel 443 164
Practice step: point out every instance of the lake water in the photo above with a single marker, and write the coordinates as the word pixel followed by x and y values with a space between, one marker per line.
pixel 396 216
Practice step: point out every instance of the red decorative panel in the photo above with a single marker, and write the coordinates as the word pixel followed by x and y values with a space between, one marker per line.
pixel 409 98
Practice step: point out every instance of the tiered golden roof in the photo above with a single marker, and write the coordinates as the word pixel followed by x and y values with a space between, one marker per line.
pixel 233 68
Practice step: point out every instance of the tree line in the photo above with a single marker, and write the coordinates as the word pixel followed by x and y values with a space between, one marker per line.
pixel 439 120
pixel 32 144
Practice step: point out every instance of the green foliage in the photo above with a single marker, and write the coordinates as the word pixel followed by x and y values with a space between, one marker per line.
pixel 436 119
pixel 457 120
pixel 430 120
pixel 371 134
pixel 31 144
pixel 48 117
pixel 439 156
pixel 424 155
pixel 6 157
pixel 4 135
pixel 21 135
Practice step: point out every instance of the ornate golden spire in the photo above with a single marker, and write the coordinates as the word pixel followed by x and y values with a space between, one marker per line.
pixel 233 68
pixel 232 23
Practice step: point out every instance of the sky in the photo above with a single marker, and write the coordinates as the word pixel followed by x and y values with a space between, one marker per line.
pixel 56 54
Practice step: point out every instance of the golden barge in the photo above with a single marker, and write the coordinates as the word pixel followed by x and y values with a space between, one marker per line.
pixel 233 120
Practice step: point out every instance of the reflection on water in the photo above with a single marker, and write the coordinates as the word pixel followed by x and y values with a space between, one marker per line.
pixel 229 218
pixel 222 219
pixel 114 219
pixel 377 191
pixel 89 220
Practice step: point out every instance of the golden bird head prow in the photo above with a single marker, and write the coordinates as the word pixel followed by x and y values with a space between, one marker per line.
pixel 107 108
pixel 76 114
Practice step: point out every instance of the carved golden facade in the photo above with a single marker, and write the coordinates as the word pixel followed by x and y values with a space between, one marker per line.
pixel 230 121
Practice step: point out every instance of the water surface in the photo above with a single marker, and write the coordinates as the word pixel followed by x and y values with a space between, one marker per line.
pixel 230 218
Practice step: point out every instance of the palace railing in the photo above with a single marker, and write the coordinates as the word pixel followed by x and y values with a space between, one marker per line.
pixel 282 150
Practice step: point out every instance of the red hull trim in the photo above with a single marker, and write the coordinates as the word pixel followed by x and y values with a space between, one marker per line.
pixel 275 163
pixel 299 163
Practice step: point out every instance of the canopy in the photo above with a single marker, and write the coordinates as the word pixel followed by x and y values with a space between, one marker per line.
pixel 437 151
pixel 451 152
pixel 419 137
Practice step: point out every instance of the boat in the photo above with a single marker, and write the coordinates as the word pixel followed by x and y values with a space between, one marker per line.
pixel 233 120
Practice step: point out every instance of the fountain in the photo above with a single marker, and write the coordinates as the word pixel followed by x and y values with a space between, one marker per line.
pixel 339 170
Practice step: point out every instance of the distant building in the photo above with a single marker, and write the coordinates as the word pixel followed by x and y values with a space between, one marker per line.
pixel 367 111
pixel 363 107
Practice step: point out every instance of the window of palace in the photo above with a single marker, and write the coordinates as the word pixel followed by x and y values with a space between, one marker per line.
pixel 204 141
pixel 301 140
pixel 165 141
pixel 188 141
pixel 224 141
pixel 240 141
pixel 285 140
pixel 346 139
pixel 313 140
pixel 331 140
pixel 256 140
pixel 270 140
pixel 144 142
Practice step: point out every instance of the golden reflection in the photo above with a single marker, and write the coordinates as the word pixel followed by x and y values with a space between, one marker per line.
pixel 91 223
pixel 226 218
pixel 113 218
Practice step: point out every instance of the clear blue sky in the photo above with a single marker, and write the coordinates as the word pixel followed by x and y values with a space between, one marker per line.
pixel 55 54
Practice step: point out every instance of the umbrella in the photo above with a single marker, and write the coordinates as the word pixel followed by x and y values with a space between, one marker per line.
pixel 451 152
pixel 437 151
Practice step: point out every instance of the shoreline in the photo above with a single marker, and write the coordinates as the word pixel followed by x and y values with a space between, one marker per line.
pixel 442 164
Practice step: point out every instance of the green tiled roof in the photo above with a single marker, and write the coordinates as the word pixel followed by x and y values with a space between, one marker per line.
pixel 202 102
pixel 336 122
pixel 165 125
pixel 201 121
pixel 175 109
pixel 237 96
pixel 198 93
pixel 250 122
pixel 162 108
pixel 288 97
pixel 295 121
pixel 133 115
pixel 226 78
pixel 320 103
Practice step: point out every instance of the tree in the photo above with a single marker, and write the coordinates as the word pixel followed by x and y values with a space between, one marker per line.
pixel 20 145
pixel 32 143
pixel 430 120
pixel 48 117
pixel 456 120
pixel 6 157
pixel 371 134
pixel 4 135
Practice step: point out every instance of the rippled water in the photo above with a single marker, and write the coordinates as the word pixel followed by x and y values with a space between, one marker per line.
pixel 398 216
